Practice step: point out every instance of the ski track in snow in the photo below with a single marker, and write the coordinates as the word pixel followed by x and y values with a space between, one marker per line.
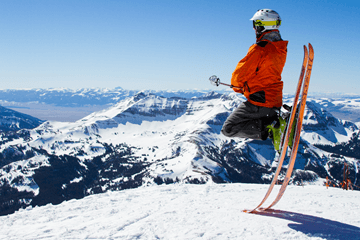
pixel 185 211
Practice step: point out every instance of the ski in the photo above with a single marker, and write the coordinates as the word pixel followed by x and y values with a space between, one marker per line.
pixel 298 129
pixel 286 136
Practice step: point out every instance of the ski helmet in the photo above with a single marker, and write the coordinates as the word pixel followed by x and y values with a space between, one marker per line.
pixel 266 19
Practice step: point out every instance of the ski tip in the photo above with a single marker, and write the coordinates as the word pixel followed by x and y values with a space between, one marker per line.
pixel 249 211
pixel 311 47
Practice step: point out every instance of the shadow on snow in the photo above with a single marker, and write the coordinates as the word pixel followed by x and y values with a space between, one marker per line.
pixel 316 226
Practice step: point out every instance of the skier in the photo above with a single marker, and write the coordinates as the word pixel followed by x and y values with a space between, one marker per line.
pixel 259 76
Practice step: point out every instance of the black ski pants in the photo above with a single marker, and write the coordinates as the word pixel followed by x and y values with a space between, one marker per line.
pixel 249 121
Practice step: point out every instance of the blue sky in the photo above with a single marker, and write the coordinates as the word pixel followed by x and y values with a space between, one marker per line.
pixel 164 44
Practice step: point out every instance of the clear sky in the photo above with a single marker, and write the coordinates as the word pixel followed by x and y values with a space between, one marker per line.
pixel 169 44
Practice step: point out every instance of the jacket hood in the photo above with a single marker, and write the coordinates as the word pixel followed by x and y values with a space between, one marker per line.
pixel 272 36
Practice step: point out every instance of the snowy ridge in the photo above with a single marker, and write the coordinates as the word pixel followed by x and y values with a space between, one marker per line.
pixel 149 107
pixel 147 139
pixel 343 107
pixel 321 127
pixel 12 120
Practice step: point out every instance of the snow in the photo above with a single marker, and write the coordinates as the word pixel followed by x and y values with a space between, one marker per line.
pixel 172 145
pixel 23 171
pixel 184 211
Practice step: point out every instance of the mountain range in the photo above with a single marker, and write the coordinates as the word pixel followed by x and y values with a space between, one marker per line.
pixel 73 104
pixel 149 138
pixel 84 96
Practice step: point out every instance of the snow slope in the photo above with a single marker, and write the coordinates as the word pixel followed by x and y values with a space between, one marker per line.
pixel 184 211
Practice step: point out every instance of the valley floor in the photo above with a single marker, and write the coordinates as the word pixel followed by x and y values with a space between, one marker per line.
pixel 184 211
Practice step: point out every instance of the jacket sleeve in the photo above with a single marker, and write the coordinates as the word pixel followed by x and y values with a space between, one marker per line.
pixel 246 68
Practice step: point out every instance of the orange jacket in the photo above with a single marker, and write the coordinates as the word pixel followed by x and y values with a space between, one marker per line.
pixel 259 73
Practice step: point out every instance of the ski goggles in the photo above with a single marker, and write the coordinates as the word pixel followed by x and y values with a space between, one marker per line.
pixel 259 23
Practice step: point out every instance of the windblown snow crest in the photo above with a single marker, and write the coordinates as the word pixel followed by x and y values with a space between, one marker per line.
pixel 147 139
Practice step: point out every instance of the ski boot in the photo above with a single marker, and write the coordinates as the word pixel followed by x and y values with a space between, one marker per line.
pixel 276 131
pixel 292 133
pixel 286 115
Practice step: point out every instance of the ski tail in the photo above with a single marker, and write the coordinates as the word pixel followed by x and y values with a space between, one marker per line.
pixel 286 136
pixel 298 128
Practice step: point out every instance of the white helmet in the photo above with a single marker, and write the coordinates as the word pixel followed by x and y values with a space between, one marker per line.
pixel 266 19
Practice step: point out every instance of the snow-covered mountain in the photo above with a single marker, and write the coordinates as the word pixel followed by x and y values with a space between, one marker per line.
pixel 11 120
pixel 346 107
pixel 67 105
pixel 147 139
